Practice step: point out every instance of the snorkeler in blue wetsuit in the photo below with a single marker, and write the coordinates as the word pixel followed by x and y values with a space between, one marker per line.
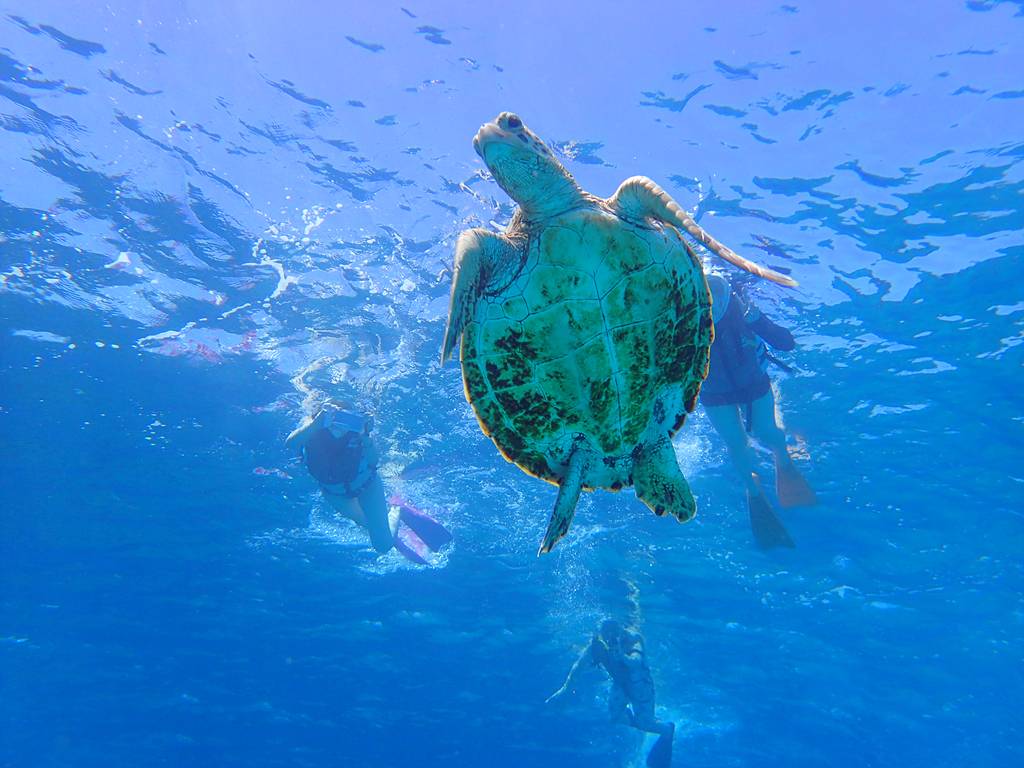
pixel 620 653
pixel 737 396
pixel 342 458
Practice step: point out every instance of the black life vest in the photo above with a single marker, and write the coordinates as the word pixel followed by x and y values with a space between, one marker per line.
pixel 334 460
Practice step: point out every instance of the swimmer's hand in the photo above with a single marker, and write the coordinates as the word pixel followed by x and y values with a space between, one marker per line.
pixel 325 417
pixel 556 695
pixel 300 436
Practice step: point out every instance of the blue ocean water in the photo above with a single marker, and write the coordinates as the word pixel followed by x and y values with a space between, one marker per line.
pixel 209 210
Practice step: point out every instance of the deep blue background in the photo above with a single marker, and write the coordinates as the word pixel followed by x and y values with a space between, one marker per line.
pixel 198 204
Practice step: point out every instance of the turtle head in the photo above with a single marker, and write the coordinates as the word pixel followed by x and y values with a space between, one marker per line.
pixel 524 166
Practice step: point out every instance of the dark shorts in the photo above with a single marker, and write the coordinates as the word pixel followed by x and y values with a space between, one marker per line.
pixel 748 394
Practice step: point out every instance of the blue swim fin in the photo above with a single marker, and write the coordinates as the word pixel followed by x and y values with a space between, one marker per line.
pixel 427 529
pixel 411 547
pixel 660 755
pixel 768 530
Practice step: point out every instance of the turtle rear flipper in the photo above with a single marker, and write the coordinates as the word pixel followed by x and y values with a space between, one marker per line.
pixel 568 496
pixel 660 484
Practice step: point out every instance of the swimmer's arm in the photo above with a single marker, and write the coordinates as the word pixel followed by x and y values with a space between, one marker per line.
pixel 586 655
pixel 300 436
pixel 775 335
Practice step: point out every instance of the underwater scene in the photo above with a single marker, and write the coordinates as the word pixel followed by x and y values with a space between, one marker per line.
pixel 539 384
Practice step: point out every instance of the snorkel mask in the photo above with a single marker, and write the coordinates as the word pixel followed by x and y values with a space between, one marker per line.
pixel 720 293
pixel 340 421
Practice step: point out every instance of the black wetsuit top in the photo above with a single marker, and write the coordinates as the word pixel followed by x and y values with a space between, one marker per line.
pixel 627 667
pixel 737 374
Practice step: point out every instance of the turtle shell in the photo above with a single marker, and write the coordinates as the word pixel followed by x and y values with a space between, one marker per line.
pixel 604 334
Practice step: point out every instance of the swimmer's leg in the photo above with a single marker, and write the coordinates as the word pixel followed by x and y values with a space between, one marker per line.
pixel 729 425
pixel 792 489
pixel 618 712
pixel 768 530
pixel 375 510
pixel 644 719
pixel 346 507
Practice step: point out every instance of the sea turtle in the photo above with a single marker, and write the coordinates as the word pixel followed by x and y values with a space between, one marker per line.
pixel 586 327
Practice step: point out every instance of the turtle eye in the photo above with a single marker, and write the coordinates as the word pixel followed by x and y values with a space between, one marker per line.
pixel 514 122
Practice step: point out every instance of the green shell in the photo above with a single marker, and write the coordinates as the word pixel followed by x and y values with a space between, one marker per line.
pixel 604 333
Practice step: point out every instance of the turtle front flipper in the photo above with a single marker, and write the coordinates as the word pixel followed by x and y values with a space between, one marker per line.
pixel 568 495
pixel 479 254
pixel 639 198
pixel 660 484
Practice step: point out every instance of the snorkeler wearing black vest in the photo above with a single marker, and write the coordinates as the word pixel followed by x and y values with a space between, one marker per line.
pixel 620 653
pixel 737 396
pixel 340 455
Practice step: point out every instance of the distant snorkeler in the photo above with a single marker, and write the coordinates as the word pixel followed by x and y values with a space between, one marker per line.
pixel 619 651
pixel 738 398
pixel 341 456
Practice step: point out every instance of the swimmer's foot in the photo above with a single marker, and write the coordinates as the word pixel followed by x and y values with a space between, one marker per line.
pixel 792 489
pixel 660 755
pixel 768 530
